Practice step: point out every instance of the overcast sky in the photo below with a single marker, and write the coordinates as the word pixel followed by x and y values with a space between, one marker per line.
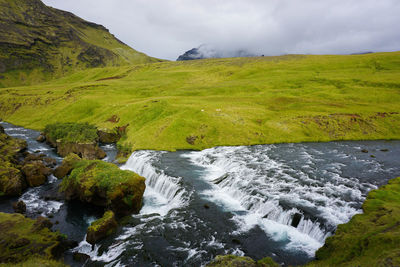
pixel 167 28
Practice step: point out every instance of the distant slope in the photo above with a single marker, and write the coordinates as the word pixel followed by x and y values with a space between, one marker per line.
pixel 38 42
pixel 233 101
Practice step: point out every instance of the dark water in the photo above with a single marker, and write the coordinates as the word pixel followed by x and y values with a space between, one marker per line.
pixel 280 201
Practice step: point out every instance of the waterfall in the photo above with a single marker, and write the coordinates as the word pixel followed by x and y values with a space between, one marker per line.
pixel 163 192
pixel 305 206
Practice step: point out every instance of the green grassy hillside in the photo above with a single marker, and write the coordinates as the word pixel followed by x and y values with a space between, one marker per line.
pixel 240 101
pixel 38 43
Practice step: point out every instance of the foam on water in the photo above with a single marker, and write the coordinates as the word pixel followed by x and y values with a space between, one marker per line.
pixel 35 203
pixel 271 193
pixel 163 192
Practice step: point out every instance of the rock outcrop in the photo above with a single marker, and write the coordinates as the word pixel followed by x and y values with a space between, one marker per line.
pixel 104 184
pixel 86 151
pixel 77 138
pixel 101 228
pixel 108 136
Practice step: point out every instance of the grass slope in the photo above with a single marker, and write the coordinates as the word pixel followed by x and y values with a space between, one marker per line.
pixel 240 101
pixel 371 238
pixel 39 43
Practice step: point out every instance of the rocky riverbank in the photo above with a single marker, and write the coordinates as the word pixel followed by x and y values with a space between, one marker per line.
pixel 118 192
pixel 18 168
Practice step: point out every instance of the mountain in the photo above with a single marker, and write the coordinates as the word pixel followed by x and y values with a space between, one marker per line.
pixel 38 42
pixel 209 51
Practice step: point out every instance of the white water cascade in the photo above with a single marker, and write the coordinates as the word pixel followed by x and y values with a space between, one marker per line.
pixel 163 192
pixel 277 197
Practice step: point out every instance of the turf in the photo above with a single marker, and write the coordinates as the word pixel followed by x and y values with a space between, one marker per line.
pixel 240 101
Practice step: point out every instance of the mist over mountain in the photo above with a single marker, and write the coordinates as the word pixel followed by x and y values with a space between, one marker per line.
pixel 210 51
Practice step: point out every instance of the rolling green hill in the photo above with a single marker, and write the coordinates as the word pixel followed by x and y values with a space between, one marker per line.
pixel 38 43
pixel 239 101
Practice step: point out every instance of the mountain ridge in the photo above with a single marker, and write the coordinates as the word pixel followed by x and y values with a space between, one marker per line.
pixel 38 42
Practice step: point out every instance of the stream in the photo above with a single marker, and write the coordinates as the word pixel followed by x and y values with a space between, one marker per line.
pixel 280 201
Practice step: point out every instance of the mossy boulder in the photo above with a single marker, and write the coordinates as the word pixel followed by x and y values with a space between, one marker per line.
pixel 237 261
pixel 66 166
pixel 104 184
pixel 35 172
pixel 78 138
pixel 101 228
pixel 107 136
pixel 21 240
pixel 84 150
pixel 12 182
pixel 368 239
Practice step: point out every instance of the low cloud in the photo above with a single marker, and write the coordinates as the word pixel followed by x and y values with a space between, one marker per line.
pixel 166 29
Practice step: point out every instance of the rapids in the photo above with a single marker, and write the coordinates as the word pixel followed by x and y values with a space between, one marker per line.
pixel 279 200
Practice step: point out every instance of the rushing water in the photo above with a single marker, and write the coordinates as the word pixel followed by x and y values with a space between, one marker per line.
pixel 280 201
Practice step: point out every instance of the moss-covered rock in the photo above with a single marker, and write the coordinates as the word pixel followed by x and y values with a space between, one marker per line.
pixel 101 228
pixel 84 150
pixel 36 262
pixel 21 240
pixel 368 239
pixel 12 182
pixel 107 136
pixel 104 184
pixel 35 172
pixel 78 138
pixel 66 166
pixel 237 261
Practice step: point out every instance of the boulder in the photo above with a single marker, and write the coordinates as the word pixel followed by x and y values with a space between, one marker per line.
pixel 105 185
pixel 35 173
pixel 49 162
pixel 84 150
pixel 108 137
pixel 78 138
pixel 101 228
pixel 19 207
pixel 66 166
pixel 41 138
pixel 12 183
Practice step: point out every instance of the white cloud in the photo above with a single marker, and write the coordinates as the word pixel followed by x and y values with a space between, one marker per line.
pixel 168 28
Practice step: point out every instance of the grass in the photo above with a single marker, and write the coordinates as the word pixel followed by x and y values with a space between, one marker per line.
pixel 213 102
pixel 72 132
pixel 371 238
pixel 20 240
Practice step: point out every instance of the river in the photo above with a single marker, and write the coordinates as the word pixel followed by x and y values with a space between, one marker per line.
pixel 279 200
